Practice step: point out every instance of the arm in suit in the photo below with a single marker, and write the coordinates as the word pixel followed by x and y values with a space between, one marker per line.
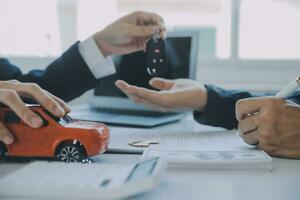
pixel 77 70
pixel 220 108
pixel 67 77
pixel 81 67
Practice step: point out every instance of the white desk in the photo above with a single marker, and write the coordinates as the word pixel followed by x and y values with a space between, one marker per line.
pixel 281 184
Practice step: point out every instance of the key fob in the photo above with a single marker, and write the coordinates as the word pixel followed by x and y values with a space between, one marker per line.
pixel 156 56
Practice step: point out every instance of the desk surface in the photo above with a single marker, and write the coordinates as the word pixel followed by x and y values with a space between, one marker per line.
pixel 282 183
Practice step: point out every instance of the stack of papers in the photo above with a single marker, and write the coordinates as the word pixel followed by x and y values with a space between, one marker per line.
pixel 213 160
pixel 201 149
pixel 207 150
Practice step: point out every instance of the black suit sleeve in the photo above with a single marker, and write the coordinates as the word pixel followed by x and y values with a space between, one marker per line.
pixel 220 108
pixel 67 77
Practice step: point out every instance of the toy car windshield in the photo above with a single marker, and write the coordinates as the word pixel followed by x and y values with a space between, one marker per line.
pixel 62 121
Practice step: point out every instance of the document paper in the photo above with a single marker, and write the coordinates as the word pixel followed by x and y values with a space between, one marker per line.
pixel 211 150
pixel 180 140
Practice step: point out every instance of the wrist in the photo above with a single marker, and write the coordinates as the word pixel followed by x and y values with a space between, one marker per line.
pixel 201 99
pixel 102 43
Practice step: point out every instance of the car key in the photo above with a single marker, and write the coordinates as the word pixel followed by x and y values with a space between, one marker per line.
pixel 156 56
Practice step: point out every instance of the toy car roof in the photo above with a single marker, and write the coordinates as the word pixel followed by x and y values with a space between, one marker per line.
pixel 28 105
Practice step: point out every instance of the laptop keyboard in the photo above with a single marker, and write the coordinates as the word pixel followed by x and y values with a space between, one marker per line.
pixel 133 112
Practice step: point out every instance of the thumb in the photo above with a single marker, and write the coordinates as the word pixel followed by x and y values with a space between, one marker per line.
pixel 161 83
pixel 122 85
pixel 141 31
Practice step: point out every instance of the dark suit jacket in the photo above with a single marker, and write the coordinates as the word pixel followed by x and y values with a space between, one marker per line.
pixel 67 77
pixel 220 109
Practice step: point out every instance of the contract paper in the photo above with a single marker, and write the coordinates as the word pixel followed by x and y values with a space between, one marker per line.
pixel 180 140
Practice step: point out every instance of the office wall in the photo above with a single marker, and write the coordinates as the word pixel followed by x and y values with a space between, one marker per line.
pixel 220 66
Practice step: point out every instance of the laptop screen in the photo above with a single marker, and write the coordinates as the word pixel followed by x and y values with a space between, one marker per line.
pixel 132 67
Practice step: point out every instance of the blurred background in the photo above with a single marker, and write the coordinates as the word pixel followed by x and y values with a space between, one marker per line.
pixel 244 44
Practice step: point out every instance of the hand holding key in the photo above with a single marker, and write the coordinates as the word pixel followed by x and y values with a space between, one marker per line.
pixel 156 56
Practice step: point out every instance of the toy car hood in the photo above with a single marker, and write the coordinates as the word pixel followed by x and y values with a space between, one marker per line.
pixel 86 125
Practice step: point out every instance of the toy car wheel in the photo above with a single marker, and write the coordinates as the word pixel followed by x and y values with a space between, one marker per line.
pixel 2 151
pixel 70 152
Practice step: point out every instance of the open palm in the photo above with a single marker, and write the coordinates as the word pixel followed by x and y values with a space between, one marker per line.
pixel 173 95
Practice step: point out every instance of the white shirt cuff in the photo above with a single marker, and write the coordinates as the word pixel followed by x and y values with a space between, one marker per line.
pixel 93 57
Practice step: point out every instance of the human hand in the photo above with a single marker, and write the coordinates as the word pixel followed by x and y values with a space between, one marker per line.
pixel 174 95
pixel 129 33
pixel 10 95
pixel 274 128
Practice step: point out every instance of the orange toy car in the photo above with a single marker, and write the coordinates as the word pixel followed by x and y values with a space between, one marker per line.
pixel 63 138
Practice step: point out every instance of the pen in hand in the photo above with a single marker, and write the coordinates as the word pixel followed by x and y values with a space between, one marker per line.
pixel 285 92
pixel 289 89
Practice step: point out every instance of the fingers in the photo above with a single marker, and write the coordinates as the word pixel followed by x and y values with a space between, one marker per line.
pixel 161 83
pixel 150 18
pixel 141 31
pixel 248 121
pixel 5 135
pixel 61 102
pixel 142 95
pixel 10 97
pixel 148 24
pixel 53 105
pixel 43 98
pixel 122 85
pixel 140 100
pixel 251 138
pixel 12 100
pixel 269 128
pixel 141 43
pixel 247 124
pixel 150 95
pixel 126 88
pixel 247 127
pixel 248 106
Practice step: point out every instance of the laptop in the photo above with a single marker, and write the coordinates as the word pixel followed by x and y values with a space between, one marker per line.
pixel 109 105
